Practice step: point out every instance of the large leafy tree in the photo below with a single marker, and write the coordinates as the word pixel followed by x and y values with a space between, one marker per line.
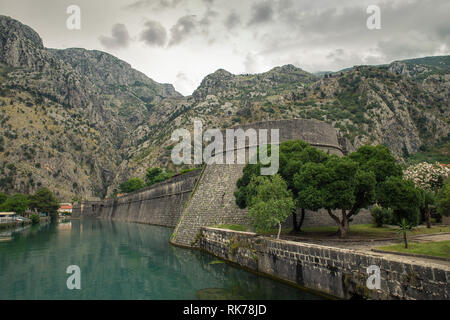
pixel 379 160
pixel 18 203
pixel 45 201
pixel 271 203
pixel 403 198
pixel 337 184
pixel 293 154
pixel 131 185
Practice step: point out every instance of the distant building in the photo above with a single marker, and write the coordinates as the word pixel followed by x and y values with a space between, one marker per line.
pixel 65 208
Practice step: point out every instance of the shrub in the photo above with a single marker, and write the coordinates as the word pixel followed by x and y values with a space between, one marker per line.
pixel 443 200
pixel 381 215
pixel 35 218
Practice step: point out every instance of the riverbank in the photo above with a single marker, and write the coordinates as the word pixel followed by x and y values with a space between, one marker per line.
pixel 17 224
pixel 334 271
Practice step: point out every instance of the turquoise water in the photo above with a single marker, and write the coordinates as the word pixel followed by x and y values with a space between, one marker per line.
pixel 121 261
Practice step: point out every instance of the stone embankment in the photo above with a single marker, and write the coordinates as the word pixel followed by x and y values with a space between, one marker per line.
pixel 338 272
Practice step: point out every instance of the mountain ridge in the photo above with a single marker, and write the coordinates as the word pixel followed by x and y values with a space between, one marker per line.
pixel 82 121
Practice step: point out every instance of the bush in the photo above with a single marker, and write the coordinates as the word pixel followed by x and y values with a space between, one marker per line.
pixel 35 218
pixel 381 215
pixel 443 200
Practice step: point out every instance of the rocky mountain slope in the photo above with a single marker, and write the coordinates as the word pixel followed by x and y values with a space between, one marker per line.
pixel 80 122
pixel 67 116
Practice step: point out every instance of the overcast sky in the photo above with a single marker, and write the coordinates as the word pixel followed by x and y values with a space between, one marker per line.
pixel 182 41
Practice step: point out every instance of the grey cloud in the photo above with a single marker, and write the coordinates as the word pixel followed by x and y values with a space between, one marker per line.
pixel 206 21
pixel 261 12
pixel 185 27
pixel 409 29
pixel 157 5
pixel 119 37
pixel 154 34
pixel 413 44
pixel 232 21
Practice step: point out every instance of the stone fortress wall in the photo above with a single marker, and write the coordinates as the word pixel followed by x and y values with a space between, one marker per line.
pixel 206 197
pixel 160 204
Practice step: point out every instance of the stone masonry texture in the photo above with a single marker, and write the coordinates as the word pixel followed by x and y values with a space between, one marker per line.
pixel 334 271
pixel 160 204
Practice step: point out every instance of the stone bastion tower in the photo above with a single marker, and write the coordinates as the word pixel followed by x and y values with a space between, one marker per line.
pixel 212 201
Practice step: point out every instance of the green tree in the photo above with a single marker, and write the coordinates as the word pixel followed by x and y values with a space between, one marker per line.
pixel 35 218
pixel 429 199
pixel 156 175
pixel 131 185
pixel 443 200
pixel 404 228
pixel 271 204
pixel 337 184
pixel 379 160
pixel 293 154
pixel 403 198
pixel 3 197
pixel 17 203
pixel 45 201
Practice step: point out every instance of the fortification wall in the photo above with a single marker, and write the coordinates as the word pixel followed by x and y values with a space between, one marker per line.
pixel 160 204
pixel 213 202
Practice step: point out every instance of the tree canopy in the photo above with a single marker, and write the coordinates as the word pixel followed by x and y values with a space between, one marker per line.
pixel 271 203
pixel 156 175
pixel 337 184
pixel 403 198
pixel 44 201
pixel 293 154
pixel 17 203
pixel 131 185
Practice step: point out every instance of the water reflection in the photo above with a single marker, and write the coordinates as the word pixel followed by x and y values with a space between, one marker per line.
pixel 121 261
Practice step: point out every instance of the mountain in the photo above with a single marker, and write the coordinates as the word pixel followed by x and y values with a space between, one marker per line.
pixel 67 116
pixel 80 121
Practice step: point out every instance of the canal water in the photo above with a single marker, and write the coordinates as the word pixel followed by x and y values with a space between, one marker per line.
pixel 121 261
